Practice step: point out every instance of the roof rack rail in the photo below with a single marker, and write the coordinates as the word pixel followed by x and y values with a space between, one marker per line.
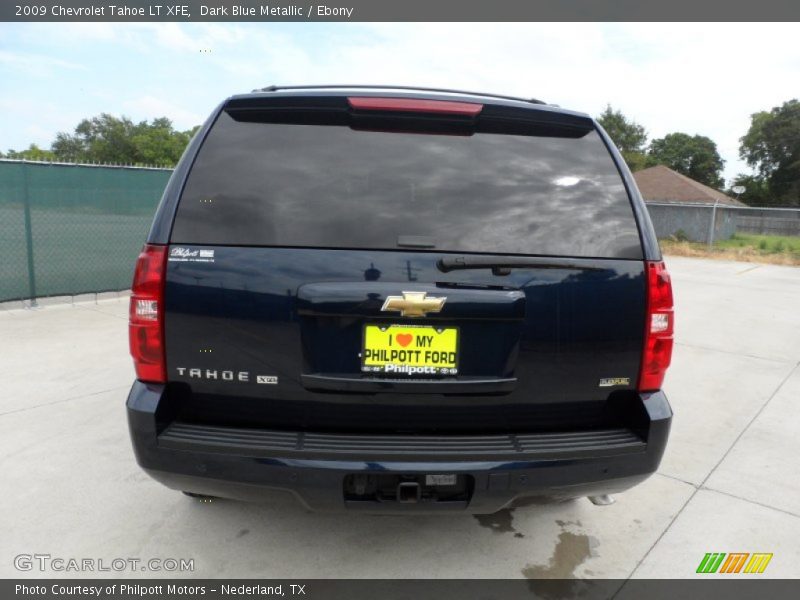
pixel 275 88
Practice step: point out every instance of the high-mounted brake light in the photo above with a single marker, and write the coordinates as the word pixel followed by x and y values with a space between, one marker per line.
pixel 146 316
pixel 659 327
pixel 416 105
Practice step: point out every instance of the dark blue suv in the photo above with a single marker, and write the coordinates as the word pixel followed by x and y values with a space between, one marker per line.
pixel 400 299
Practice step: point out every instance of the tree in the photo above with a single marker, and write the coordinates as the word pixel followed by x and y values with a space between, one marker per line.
pixel 32 153
pixel 101 139
pixel 627 135
pixel 694 156
pixel 772 146
pixel 109 139
pixel 159 143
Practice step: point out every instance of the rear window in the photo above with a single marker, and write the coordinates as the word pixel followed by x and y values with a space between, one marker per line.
pixel 330 186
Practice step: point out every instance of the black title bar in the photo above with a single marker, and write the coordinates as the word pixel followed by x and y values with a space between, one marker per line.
pixel 398 10
pixel 710 588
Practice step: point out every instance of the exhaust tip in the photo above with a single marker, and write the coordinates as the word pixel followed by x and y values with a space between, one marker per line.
pixel 602 500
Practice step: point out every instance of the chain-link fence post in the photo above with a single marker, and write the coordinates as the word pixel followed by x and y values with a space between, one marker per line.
pixel 712 226
pixel 28 234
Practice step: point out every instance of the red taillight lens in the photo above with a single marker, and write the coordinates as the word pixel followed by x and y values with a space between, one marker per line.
pixel 416 105
pixel 146 317
pixel 659 326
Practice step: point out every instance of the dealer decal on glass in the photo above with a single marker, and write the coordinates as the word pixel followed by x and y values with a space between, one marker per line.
pixel 410 350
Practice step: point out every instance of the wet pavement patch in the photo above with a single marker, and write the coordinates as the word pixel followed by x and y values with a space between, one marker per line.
pixel 563 524
pixel 499 522
pixel 570 551
pixel 554 580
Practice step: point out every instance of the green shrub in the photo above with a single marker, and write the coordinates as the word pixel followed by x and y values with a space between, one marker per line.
pixel 762 245
pixel 680 236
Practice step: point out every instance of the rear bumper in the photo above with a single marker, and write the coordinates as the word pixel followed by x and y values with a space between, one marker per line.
pixel 250 464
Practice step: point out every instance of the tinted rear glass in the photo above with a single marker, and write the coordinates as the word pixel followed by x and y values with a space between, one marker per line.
pixel 269 184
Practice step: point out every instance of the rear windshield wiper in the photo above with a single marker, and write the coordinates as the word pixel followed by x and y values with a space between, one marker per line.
pixel 504 265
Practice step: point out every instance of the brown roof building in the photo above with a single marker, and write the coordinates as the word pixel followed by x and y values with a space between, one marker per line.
pixel 662 184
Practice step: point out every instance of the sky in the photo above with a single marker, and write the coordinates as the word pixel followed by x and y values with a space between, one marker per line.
pixel 696 78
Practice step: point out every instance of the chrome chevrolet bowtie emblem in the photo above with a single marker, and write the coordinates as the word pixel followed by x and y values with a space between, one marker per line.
pixel 413 304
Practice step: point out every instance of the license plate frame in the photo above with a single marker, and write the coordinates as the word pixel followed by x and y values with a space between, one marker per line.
pixel 420 366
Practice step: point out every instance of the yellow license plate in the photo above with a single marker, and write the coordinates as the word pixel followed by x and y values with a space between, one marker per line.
pixel 410 350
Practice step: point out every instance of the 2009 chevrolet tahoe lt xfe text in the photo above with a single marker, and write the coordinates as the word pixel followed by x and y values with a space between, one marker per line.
pixel 400 299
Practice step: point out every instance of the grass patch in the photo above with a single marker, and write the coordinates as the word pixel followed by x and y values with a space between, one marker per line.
pixel 769 244
pixel 748 247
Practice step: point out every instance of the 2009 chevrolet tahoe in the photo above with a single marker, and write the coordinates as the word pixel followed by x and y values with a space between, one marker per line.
pixel 400 299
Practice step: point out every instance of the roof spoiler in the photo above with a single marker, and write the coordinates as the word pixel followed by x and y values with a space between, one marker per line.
pixel 276 88
pixel 339 109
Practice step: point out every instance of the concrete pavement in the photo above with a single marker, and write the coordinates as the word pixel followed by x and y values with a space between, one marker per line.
pixel 729 482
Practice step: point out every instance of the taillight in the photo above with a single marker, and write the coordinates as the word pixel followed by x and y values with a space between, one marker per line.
pixel 146 317
pixel 659 326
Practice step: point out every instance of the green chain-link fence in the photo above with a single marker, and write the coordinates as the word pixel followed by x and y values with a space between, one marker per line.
pixel 72 229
